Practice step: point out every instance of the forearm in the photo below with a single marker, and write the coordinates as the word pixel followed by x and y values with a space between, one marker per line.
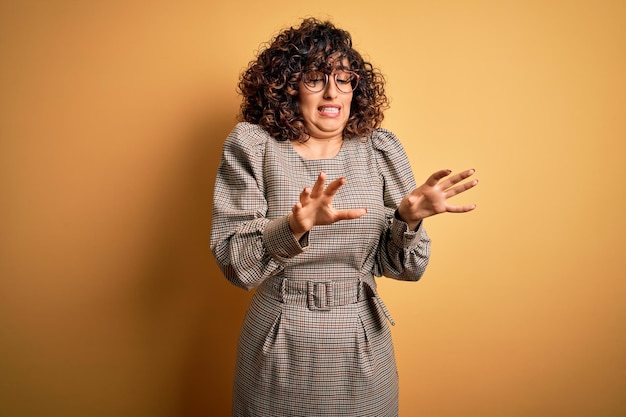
pixel 256 250
pixel 405 253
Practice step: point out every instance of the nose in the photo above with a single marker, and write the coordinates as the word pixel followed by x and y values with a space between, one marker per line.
pixel 330 89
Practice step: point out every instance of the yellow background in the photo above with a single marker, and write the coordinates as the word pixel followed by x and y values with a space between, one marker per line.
pixel 112 116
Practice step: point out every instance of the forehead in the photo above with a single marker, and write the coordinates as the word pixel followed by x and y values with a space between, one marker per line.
pixel 336 62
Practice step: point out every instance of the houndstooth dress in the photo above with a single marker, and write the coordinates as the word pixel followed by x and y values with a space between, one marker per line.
pixel 315 340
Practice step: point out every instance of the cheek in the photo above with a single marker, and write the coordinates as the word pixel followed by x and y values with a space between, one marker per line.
pixel 304 105
pixel 348 106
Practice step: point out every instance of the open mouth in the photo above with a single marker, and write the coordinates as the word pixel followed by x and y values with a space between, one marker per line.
pixel 328 110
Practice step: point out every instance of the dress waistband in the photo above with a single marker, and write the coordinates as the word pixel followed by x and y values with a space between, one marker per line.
pixel 322 295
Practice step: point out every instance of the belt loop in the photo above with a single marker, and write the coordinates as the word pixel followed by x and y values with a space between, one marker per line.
pixel 330 294
pixel 283 289
pixel 319 295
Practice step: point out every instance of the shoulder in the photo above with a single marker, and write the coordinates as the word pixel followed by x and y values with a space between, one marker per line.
pixel 247 141
pixel 386 142
pixel 393 163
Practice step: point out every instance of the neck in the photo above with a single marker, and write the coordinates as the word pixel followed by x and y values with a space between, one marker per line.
pixel 315 148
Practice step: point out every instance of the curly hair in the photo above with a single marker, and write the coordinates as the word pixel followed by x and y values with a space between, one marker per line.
pixel 270 84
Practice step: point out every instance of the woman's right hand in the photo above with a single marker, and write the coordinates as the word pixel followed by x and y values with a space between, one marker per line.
pixel 315 207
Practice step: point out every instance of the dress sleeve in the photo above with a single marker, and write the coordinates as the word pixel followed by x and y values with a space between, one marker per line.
pixel 403 253
pixel 247 246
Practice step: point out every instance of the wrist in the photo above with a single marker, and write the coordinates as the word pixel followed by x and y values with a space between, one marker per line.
pixel 293 227
pixel 412 224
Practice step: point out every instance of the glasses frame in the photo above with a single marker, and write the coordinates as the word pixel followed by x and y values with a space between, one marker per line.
pixel 327 77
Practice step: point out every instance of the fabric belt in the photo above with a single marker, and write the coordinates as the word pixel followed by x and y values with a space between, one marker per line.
pixel 322 295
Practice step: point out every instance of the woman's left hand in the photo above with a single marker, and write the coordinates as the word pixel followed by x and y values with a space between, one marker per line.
pixel 432 197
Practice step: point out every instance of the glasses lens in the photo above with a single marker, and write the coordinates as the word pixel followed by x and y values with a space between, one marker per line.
pixel 314 80
pixel 346 81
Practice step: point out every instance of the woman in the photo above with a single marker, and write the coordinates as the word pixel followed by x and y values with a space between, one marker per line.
pixel 312 201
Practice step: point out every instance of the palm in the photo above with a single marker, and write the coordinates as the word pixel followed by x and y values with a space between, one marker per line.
pixel 433 200
pixel 315 206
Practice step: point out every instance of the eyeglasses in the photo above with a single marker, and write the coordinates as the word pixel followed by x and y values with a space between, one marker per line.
pixel 316 81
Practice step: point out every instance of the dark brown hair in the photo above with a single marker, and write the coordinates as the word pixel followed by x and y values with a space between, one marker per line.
pixel 269 85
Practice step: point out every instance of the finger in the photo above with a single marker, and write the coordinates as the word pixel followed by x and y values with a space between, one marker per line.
pixel 350 214
pixel 412 202
pixel 407 205
pixel 451 192
pixel 319 185
pixel 305 195
pixel 455 179
pixel 460 209
pixel 294 223
pixel 434 178
pixel 334 186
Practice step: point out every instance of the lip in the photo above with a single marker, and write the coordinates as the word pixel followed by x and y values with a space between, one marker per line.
pixel 329 110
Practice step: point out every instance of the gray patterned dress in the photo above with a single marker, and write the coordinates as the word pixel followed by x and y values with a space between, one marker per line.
pixel 315 340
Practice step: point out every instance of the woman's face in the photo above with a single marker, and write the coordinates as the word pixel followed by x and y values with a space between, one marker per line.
pixel 326 112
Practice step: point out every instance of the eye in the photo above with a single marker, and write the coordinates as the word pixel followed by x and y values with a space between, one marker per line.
pixel 313 77
pixel 344 78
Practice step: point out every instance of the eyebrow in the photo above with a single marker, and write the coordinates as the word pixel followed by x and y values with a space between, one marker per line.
pixel 330 70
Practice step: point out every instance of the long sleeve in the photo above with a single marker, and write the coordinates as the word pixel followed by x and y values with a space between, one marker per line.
pixel 247 245
pixel 403 254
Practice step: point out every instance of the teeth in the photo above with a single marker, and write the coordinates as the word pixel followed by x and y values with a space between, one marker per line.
pixel 329 109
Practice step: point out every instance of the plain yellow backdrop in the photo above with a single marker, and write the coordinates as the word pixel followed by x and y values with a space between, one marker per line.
pixel 112 116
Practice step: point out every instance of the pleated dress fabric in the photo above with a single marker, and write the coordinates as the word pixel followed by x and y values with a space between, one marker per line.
pixel 315 340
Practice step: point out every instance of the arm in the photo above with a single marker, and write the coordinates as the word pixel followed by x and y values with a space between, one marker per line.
pixel 247 246
pixel 404 249
pixel 407 247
